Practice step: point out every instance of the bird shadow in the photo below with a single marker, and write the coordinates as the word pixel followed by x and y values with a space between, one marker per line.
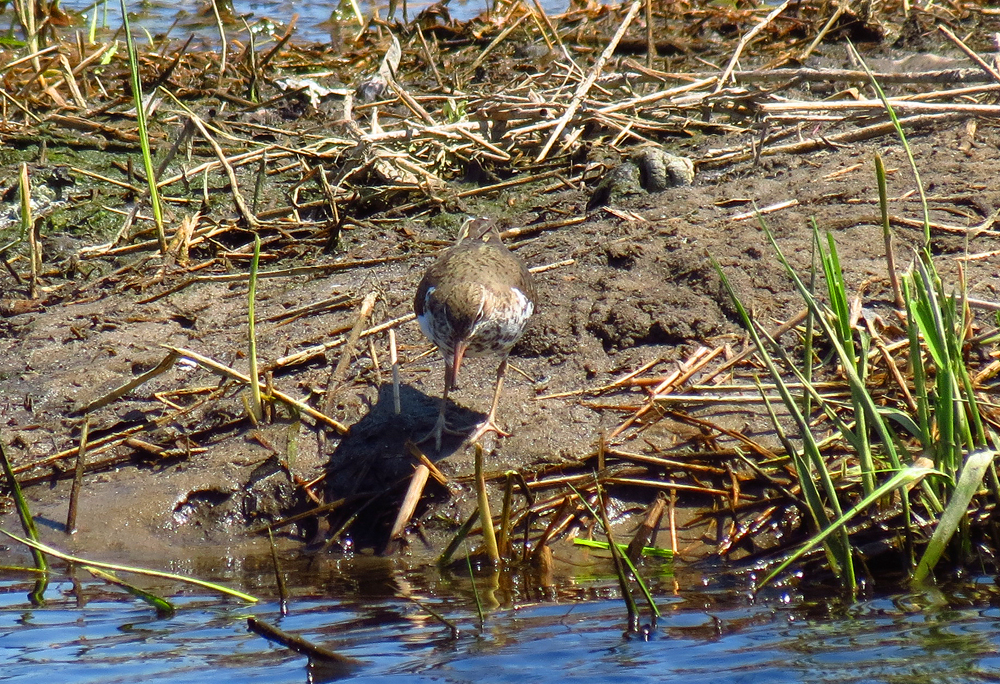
pixel 374 457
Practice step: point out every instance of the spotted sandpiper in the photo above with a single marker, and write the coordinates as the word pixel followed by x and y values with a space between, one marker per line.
pixel 474 300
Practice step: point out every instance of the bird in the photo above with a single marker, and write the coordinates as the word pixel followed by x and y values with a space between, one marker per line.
pixel 474 300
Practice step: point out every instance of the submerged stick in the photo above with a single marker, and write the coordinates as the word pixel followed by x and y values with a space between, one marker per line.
pixel 297 643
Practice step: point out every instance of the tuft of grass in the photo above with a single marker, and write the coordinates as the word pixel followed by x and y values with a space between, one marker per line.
pixel 934 418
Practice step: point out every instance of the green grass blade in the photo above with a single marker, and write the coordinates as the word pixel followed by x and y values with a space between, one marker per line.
pixel 903 478
pixel 140 115
pixel 839 551
pixel 164 609
pixel 969 481
pixel 917 368
pixel 854 380
pixel 906 145
pixel 23 512
pixel 655 551
pixel 620 562
pixel 48 550
pixel 255 400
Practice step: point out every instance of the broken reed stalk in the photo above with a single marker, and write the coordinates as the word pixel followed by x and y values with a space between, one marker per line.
pixel 394 361
pixel 299 644
pixel 646 533
pixel 140 115
pixel 650 42
pixel 216 367
pixel 745 40
pixel 503 543
pixel 279 576
pixel 256 409
pixel 485 516
pixel 74 492
pixel 970 53
pixel 406 510
pixel 223 46
pixel 347 353
pixel 456 541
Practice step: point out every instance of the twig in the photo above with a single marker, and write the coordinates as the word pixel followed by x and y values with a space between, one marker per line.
pixel 841 8
pixel 587 84
pixel 745 40
pixel 364 313
pixel 298 644
pixel 74 492
pixel 854 135
pixel 216 367
pixel 970 53
pixel 496 41
pixel 394 361
pixel 413 493
pixel 312 352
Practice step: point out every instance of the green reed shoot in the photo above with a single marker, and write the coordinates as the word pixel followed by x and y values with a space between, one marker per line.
pixel 256 407
pixel 27 521
pixel 623 566
pixel 809 459
pixel 140 113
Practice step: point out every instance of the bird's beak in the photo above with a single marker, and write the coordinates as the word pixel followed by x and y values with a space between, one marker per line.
pixel 456 360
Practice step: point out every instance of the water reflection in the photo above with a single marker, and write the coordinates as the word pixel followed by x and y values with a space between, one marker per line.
pixel 374 610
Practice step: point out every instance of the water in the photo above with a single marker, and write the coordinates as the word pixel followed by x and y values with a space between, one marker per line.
pixel 316 20
pixel 368 609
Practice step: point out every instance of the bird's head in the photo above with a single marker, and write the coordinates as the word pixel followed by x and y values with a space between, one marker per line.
pixel 478 229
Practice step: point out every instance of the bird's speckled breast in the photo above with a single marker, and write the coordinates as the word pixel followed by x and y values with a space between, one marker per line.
pixel 499 323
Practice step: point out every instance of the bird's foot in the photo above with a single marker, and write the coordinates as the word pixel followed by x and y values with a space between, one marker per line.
pixel 488 425
pixel 440 428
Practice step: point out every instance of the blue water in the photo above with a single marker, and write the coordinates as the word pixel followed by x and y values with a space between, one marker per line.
pixel 91 633
pixel 316 20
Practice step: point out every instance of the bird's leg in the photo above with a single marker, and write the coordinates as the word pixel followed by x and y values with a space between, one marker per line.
pixel 441 426
pixel 489 425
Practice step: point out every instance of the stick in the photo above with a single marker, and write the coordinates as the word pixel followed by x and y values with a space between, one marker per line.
pixel 971 54
pixel 587 84
pixel 364 313
pixel 216 367
pixel 416 489
pixel 74 492
pixel 234 187
pixel 745 40
pixel 394 360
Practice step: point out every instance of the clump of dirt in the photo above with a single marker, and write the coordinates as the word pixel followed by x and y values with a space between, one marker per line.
pixel 627 286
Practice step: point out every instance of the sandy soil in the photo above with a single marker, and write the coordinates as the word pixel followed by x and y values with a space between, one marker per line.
pixel 637 291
